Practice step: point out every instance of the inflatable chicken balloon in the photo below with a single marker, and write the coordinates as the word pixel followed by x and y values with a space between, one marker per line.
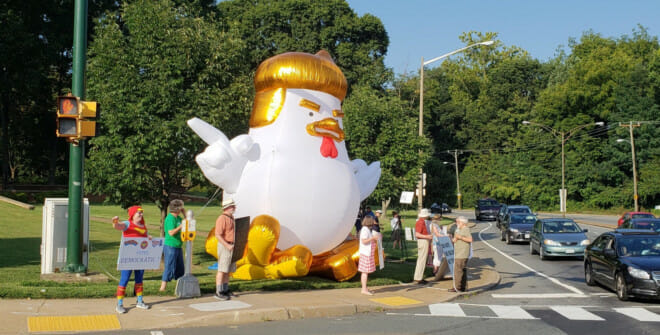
pixel 291 173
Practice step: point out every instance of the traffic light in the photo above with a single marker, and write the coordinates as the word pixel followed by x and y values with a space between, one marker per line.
pixel 72 118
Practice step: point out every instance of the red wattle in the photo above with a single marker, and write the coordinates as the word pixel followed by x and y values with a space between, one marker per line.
pixel 328 148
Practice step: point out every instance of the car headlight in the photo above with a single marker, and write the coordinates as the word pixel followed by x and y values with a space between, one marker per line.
pixel 552 243
pixel 513 230
pixel 638 273
pixel 584 242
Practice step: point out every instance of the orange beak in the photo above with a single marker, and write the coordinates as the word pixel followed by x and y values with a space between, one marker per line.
pixel 326 128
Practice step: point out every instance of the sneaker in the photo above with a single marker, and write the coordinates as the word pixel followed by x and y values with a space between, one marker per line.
pixel 120 309
pixel 142 305
pixel 232 294
pixel 221 296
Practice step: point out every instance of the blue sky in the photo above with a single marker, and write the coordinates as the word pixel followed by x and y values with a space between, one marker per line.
pixel 427 28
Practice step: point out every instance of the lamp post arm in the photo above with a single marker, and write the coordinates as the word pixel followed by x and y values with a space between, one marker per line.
pixel 572 132
pixel 455 52
pixel 549 129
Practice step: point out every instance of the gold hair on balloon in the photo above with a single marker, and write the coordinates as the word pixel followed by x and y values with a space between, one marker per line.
pixel 293 70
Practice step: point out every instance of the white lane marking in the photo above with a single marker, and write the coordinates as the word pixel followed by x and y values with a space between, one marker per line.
pixel 639 314
pixel 538 296
pixel 576 313
pixel 156 332
pixel 220 306
pixel 446 310
pixel 511 312
pixel 569 287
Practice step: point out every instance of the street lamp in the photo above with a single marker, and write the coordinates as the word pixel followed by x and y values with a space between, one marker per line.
pixel 458 184
pixel 420 185
pixel 564 136
pixel 634 167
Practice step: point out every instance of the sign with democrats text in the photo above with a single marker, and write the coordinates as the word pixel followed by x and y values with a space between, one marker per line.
pixel 447 251
pixel 140 253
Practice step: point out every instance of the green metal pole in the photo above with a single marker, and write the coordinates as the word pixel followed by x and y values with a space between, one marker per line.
pixel 74 237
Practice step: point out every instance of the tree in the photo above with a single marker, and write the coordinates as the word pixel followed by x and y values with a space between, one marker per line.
pixel 383 128
pixel 358 44
pixel 153 66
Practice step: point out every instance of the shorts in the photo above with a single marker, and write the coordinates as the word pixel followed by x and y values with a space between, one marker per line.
pixel 224 259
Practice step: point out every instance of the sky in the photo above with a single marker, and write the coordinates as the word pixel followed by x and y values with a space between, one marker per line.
pixel 430 28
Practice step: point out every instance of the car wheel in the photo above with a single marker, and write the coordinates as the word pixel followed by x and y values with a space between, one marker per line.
pixel 542 254
pixel 589 275
pixel 531 248
pixel 621 289
pixel 507 237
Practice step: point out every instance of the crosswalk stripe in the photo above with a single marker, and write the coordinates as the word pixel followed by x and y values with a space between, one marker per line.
pixel 576 313
pixel 446 310
pixel 510 312
pixel 639 314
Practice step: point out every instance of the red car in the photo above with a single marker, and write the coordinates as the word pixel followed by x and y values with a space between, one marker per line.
pixel 634 215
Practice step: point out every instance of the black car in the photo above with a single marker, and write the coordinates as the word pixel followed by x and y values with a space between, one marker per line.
pixel 625 260
pixel 642 223
pixel 439 209
pixel 510 209
pixel 517 227
pixel 486 208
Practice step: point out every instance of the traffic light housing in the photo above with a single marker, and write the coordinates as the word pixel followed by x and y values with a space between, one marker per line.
pixel 72 118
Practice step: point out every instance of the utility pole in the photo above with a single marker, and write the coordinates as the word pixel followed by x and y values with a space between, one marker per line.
pixel 458 184
pixel 77 148
pixel 634 161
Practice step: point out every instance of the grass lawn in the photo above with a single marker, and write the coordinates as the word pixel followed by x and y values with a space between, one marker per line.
pixel 20 265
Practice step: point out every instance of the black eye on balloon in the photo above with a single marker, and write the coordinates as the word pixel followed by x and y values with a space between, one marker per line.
pixel 311 113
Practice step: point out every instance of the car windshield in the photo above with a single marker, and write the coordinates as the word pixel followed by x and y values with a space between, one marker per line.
pixel 560 227
pixel 650 224
pixel 635 246
pixel 643 216
pixel 520 210
pixel 488 203
pixel 523 219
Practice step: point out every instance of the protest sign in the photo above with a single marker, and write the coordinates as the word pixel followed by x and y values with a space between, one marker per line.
pixel 140 253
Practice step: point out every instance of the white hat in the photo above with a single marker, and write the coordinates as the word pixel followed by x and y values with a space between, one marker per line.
pixel 424 213
pixel 379 211
pixel 228 203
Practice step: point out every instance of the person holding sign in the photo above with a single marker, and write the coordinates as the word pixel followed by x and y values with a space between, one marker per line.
pixel 134 227
pixel 462 241
pixel 224 232
pixel 172 252
pixel 368 240
pixel 440 266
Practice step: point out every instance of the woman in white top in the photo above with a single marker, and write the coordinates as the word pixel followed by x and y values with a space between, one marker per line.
pixel 367 262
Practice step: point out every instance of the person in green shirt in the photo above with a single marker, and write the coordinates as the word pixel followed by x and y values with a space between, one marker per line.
pixel 172 252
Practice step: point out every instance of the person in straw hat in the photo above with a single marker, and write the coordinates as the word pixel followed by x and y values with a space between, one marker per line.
pixel 224 232
pixel 423 240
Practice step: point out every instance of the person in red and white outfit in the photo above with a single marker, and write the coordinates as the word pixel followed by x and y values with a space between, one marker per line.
pixel 368 241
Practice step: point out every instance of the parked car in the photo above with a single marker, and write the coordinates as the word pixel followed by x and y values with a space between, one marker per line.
pixel 517 227
pixel 557 237
pixel 486 208
pixel 513 209
pixel 626 261
pixel 634 215
pixel 653 224
pixel 437 209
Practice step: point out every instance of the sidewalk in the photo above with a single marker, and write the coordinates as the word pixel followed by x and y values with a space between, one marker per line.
pixel 71 315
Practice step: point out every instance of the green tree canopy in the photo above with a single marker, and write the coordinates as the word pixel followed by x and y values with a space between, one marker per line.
pixel 153 66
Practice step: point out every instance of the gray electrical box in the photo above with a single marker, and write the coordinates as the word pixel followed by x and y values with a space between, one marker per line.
pixel 54 234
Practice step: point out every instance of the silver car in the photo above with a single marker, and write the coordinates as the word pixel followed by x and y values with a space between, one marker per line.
pixel 557 238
